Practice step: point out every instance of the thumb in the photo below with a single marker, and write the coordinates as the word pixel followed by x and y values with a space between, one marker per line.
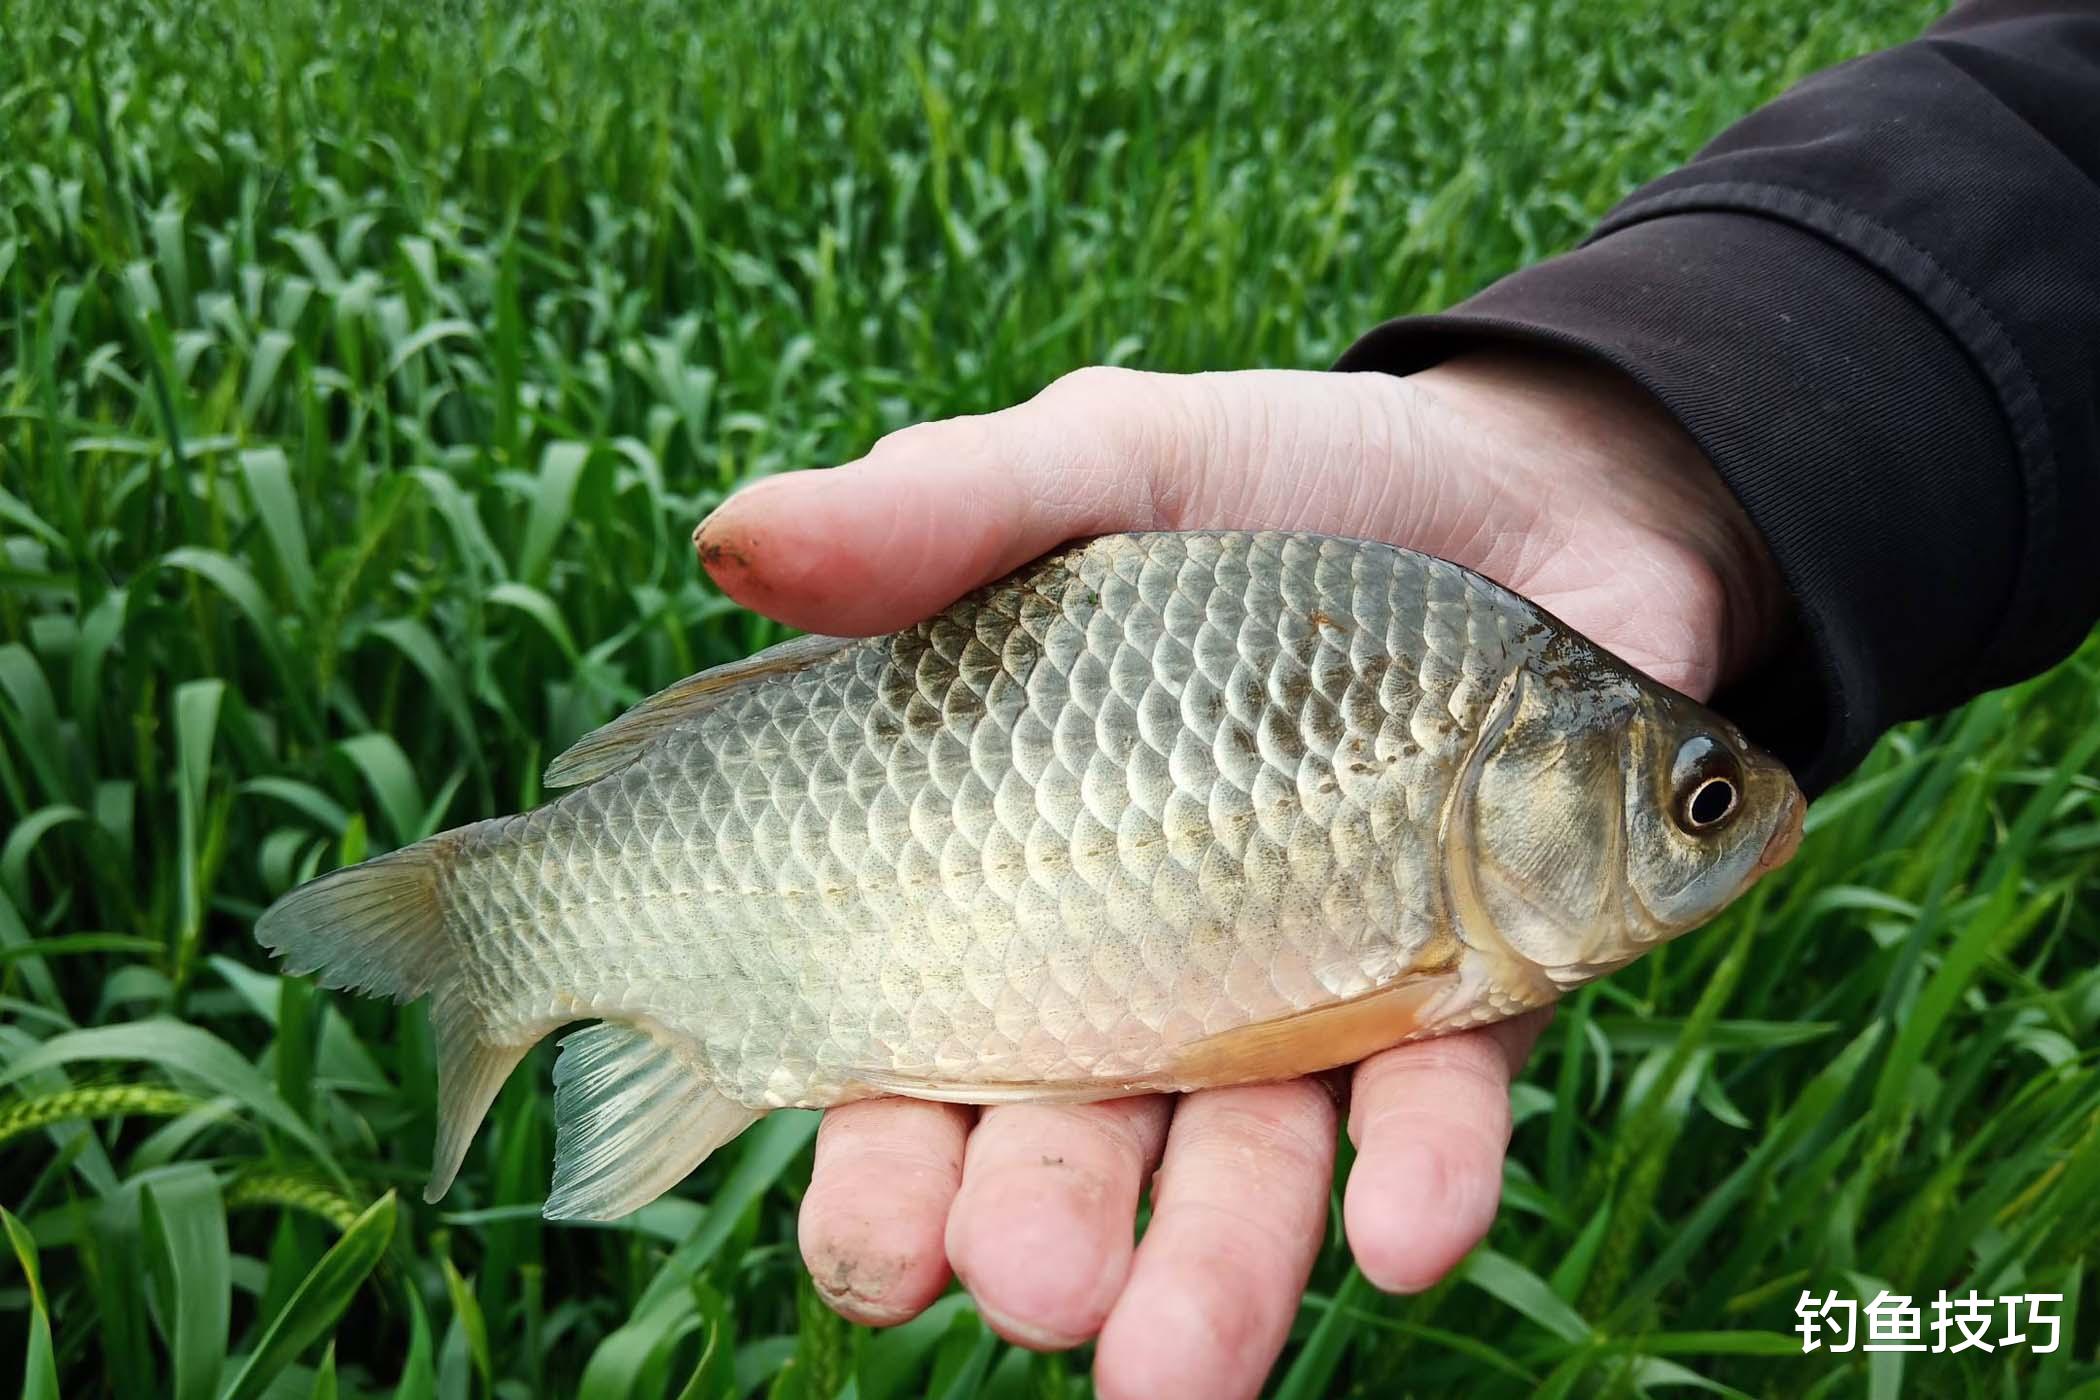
pixel 934 510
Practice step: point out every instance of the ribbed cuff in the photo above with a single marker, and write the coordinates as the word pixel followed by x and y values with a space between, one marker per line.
pixel 1859 436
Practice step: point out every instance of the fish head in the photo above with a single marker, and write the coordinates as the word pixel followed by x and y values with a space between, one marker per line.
pixel 1707 813
pixel 1607 818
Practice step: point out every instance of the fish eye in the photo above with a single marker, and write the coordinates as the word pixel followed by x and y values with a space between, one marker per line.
pixel 1708 784
pixel 1710 804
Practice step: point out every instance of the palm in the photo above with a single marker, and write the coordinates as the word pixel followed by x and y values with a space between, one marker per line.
pixel 1579 497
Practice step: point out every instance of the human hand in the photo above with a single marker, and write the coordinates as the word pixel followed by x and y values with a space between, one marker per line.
pixel 1558 479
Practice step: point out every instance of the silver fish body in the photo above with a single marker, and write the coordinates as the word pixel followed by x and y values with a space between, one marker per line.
pixel 1157 812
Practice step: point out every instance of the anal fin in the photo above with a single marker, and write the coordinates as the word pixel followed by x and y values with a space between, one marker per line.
pixel 633 1116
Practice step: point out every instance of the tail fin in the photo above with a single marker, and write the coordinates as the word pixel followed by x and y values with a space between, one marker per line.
pixel 376 927
pixel 379 927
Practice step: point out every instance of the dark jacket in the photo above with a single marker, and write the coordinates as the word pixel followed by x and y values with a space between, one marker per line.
pixel 1875 303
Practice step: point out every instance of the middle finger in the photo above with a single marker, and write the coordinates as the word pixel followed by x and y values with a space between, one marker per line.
pixel 1041 1233
pixel 1237 1217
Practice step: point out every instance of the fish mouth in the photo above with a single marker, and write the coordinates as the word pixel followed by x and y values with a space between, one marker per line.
pixel 1786 836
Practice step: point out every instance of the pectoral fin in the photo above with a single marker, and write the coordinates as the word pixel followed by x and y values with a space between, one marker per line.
pixel 998 1091
pixel 1314 1040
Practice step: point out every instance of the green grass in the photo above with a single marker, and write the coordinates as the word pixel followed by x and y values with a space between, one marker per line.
pixel 361 375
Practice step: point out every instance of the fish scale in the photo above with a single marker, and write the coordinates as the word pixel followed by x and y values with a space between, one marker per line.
pixel 1155 812
pixel 804 929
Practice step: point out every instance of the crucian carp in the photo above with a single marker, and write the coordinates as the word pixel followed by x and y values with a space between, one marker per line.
pixel 1156 812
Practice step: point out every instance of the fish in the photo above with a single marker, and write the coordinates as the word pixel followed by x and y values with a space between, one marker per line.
pixel 1156 812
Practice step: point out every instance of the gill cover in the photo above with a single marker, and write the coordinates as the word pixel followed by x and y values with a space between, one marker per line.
pixel 1546 844
pixel 1607 814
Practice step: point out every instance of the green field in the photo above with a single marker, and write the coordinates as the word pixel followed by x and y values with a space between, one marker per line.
pixel 363 371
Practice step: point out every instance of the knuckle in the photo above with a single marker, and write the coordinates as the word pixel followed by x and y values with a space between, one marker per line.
pixel 1153 432
pixel 1240 1239
pixel 1096 1142
pixel 909 1162
pixel 1388 416
pixel 938 438
pixel 1286 1138
pixel 1449 1091
pixel 1456 1135
pixel 1473 1058
pixel 1104 382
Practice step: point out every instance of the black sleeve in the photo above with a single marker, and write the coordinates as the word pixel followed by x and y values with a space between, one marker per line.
pixel 1875 304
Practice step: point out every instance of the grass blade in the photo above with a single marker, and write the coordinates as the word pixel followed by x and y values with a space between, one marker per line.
pixel 186 1248
pixel 268 473
pixel 183 1050
pixel 39 1369
pixel 319 1300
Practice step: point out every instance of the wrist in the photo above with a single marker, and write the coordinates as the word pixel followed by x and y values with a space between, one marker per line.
pixel 1604 449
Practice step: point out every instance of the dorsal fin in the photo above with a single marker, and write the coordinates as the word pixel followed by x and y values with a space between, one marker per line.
pixel 611 747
